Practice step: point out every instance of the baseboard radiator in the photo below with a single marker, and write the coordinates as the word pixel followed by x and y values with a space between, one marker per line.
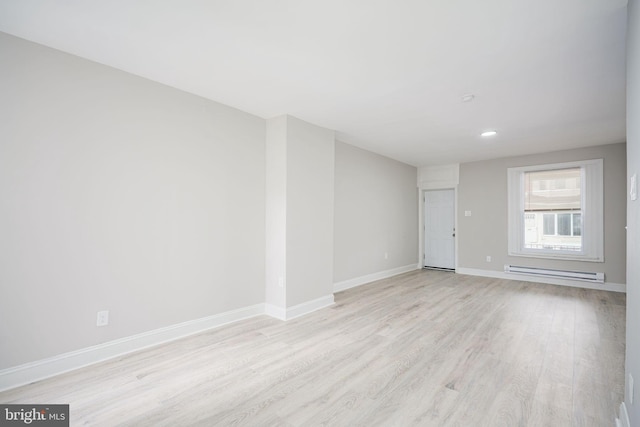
pixel 585 276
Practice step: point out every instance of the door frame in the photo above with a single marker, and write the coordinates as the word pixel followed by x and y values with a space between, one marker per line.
pixel 421 225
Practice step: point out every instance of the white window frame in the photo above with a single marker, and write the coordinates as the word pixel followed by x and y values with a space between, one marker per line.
pixel 592 210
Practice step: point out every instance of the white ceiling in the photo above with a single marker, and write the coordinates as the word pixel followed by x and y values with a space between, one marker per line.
pixel 387 75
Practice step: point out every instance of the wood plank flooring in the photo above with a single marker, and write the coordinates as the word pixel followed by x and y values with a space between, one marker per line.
pixel 425 348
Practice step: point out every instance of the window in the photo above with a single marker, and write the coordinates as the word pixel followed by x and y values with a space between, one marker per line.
pixel 555 211
pixel 577 224
pixel 549 224
pixel 566 224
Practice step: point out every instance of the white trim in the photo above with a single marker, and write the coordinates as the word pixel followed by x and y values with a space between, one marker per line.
pixel 357 281
pixel 623 421
pixel 607 286
pixel 309 306
pixel 46 368
pixel 275 311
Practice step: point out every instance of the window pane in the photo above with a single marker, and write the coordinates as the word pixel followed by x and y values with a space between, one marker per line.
pixel 564 224
pixel 549 224
pixel 577 224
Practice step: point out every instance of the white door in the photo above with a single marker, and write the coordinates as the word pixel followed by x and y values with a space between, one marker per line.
pixel 439 229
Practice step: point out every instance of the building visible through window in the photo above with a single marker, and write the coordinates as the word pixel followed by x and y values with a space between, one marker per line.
pixel 552 209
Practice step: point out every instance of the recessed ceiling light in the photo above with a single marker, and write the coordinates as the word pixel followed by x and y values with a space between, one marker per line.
pixel 489 133
pixel 468 97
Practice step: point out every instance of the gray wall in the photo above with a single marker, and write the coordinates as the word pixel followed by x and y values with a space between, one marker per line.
pixel 310 169
pixel 126 195
pixel 122 194
pixel 483 191
pixel 276 212
pixel 376 212
pixel 299 213
pixel 633 209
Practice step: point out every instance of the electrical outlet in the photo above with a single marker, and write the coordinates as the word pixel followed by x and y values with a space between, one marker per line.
pixel 488 258
pixel 281 281
pixel 102 318
pixel 467 213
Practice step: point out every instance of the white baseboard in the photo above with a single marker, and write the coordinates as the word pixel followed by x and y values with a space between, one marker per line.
pixel 46 368
pixel 309 306
pixel 607 286
pixel 357 281
pixel 56 365
pixel 623 421
pixel 275 311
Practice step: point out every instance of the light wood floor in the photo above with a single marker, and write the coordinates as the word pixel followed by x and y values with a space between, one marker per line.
pixel 425 348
